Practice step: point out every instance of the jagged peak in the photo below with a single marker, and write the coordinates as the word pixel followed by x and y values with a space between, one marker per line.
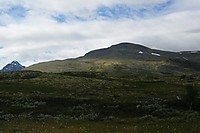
pixel 13 66
pixel 15 63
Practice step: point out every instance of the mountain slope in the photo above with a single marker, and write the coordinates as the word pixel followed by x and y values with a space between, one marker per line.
pixel 13 66
pixel 126 57
pixel 139 52
pixel 120 51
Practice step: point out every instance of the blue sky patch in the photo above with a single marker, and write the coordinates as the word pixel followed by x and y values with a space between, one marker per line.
pixel 125 11
pixel 118 11
pixel 163 6
pixel 80 19
pixel 61 18
pixel 115 12
pixel 17 12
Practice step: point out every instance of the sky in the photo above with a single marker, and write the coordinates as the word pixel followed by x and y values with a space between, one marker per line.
pixel 44 30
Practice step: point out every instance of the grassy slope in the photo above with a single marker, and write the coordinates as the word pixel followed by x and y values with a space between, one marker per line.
pixel 35 102
pixel 110 66
pixel 126 56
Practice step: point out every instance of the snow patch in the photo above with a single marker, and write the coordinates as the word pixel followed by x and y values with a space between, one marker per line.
pixel 155 54
pixel 140 52
pixel 15 63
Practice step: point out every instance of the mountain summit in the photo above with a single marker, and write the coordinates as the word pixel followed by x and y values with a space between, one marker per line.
pixel 120 51
pixel 13 66
pixel 126 57
pixel 131 51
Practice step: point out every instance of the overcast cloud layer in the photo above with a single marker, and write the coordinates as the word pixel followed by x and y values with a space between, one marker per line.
pixel 43 30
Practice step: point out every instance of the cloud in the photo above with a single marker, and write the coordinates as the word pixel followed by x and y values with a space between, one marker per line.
pixel 32 32
pixel 195 31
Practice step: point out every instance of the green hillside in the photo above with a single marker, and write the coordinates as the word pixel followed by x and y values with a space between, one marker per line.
pixel 125 88
pixel 97 102
pixel 125 57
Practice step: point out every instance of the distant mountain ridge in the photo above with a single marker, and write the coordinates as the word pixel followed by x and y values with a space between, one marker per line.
pixel 126 57
pixel 139 52
pixel 12 67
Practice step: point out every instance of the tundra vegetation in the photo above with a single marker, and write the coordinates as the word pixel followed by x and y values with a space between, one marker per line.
pixel 35 102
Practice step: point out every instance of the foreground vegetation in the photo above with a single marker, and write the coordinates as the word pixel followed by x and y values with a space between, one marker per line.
pixel 99 102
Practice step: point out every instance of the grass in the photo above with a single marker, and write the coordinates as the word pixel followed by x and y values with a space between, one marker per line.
pixel 56 126
pixel 98 65
pixel 96 102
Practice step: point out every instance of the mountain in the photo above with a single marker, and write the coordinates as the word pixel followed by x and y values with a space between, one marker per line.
pixel 139 52
pixel 129 51
pixel 126 57
pixel 13 66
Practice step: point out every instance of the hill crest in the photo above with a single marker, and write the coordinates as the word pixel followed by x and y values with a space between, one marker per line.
pixel 126 56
